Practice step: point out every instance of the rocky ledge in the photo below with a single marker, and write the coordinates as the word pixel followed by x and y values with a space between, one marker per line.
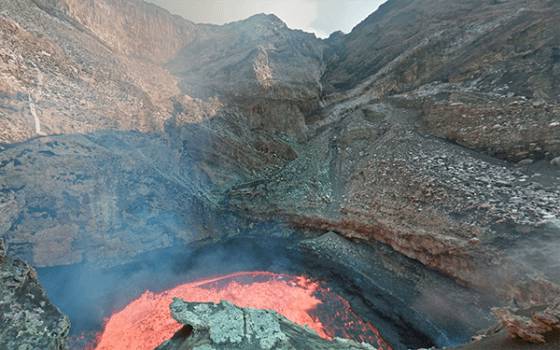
pixel 224 326
pixel 28 320
pixel 533 325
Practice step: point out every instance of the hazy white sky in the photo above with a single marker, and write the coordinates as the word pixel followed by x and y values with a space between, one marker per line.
pixel 319 16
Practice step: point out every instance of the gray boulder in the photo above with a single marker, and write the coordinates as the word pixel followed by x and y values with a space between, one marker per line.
pixel 225 326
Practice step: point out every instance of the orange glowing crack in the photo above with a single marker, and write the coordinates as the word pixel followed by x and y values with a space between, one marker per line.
pixel 146 322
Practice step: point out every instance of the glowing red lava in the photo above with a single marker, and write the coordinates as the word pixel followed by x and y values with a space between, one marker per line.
pixel 146 322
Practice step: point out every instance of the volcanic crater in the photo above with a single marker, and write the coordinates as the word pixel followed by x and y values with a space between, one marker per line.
pixel 173 185
pixel 128 306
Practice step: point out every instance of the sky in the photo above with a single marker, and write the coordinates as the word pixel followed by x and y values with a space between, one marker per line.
pixel 321 17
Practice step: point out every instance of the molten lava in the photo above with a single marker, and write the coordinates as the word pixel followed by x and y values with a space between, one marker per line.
pixel 146 322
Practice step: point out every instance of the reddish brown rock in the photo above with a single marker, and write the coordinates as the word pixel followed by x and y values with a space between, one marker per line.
pixel 530 326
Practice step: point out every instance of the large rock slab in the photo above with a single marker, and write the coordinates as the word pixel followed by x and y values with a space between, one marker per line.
pixel 225 326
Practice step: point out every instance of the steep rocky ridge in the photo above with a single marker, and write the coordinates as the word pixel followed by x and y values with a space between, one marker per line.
pixel 131 28
pixel 86 66
pixel 483 43
pixel 478 70
pixel 57 77
pixel 271 72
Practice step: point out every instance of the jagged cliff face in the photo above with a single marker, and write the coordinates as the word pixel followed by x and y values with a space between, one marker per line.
pixel 58 77
pixel 269 71
pixel 78 67
pixel 82 66
pixel 132 28
pixel 492 45
pixel 406 131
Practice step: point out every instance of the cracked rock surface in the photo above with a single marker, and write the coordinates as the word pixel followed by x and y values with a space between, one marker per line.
pixel 28 320
pixel 224 326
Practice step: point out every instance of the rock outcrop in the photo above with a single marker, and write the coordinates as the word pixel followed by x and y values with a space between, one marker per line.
pixel 535 326
pixel 225 326
pixel 422 306
pixel 28 320
pixel 272 73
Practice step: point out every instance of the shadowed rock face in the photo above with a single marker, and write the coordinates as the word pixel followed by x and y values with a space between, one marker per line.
pixel 225 326
pixel 434 128
pixel 28 320
pixel 97 198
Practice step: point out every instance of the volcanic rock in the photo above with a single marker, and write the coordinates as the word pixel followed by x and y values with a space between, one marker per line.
pixel 406 132
pixel 28 320
pixel 74 67
pixel 56 76
pixel 424 313
pixel 525 162
pixel 225 326
pixel 369 163
pixel 475 69
pixel 273 74
pixel 533 327
pixel 379 164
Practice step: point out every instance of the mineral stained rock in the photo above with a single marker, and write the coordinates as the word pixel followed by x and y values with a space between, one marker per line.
pixel 530 325
pixel 226 327
pixel 28 320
